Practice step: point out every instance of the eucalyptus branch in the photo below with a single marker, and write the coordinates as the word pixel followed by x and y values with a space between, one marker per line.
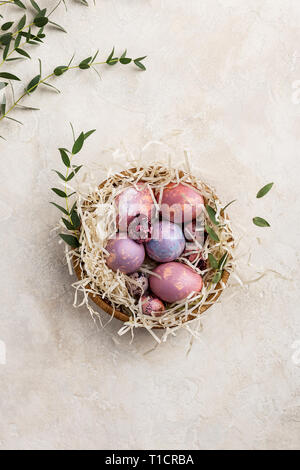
pixel 72 222
pixel 31 32
pixel 88 63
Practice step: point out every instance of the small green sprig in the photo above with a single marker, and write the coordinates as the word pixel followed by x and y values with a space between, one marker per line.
pixel 18 33
pixel 72 220
pixel 218 266
pixel 38 80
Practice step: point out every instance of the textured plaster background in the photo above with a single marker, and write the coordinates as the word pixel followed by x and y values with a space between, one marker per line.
pixel 224 73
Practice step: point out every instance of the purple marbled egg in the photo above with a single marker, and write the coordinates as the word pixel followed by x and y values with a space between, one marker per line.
pixel 152 306
pixel 176 282
pixel 124 254
pixel 137 284
pixel 167 242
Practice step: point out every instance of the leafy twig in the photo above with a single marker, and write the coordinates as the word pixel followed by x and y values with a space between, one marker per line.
pixel 26 32
pixel 38 80
pixel 72 222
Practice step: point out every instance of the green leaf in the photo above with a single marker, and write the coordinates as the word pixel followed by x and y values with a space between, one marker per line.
pixel 264 190
pixel 110 59
pixel 7 25
pixel 3 105
pixel 58 26
pixel 23 53
pixel 59 192
pixel 60 175
pixel 9 76
pixel 87 134
pixel 60 208
pixel 3 85
pixel 65 158
pixel 68 224
pixel 70 240
pixel 5 39
pixel 261 222
pixel 222 261
pixel 21 23
pixel 212 233
pixel 35 5
pixel 78 144
pixel 212 214
pixel 84 64
pixel 139 64
pixel 33 84
pixel 18 40
pixel 212 261
pixel 60 70
pixel 217 277
pixel 227 205
pixel 19 4
pixel 75 219
pixel 41 21
pixel 125 60
pixel 74 173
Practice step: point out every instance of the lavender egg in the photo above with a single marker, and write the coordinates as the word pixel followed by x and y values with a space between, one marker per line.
pixel 181 203
pixel 152 306
pixel 176 282
pixel 124 255
pixel 167 242
pixel 132 202
pixel 137 284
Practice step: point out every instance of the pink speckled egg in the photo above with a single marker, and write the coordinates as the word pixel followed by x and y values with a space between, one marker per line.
pixel 181 203
pixel 167 242
pixel 176 282
pixel 139 229
pixel 137 284
pixel 124 255
pixel 152 306
pixel 132 202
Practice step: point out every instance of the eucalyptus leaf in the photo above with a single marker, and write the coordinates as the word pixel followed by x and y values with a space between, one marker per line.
pixel 212 233
pixel 212 261
pixel 78 144
pixel 59 192
pixel 264 190
pixel 70 240
pixel 261 222
pixel 212 214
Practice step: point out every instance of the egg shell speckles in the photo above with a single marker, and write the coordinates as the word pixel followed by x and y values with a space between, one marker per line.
pixel 132 202
pixel 167 242
pixel 139 229
pixel 176 282
pixel 181 203
pixel 124 255
pixel 138 284
pixel 152 306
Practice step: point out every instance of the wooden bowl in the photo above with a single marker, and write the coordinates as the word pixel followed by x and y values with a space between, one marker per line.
pixel 106 306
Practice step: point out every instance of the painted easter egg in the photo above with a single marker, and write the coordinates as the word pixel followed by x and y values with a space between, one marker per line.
pixel 167 242
pixel 124 254
pixel 181 203
pixel 137 284
pixel 175 282
pixel 139 229
pixel 152 306
pixel 132 202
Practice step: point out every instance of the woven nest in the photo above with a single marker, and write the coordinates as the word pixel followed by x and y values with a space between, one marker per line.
pixel 107 289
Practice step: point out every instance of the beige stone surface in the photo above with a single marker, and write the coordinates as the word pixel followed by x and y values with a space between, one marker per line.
pixel 222 81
